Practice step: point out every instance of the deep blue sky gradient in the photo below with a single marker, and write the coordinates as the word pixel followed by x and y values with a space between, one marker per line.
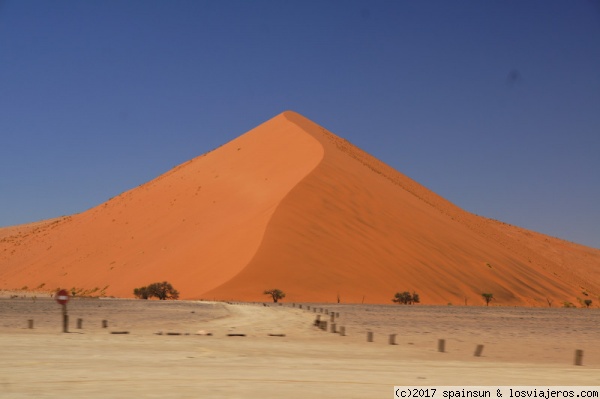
pixel 495 105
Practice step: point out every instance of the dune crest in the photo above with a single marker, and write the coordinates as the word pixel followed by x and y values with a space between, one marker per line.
pixel 290 205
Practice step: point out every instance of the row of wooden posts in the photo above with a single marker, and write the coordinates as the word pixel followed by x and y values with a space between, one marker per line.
pixel 322 324
pixel 79 323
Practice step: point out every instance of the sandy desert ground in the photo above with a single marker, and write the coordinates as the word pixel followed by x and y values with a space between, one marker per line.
pixel 523 346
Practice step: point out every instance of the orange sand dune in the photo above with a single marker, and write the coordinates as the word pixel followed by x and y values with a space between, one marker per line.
pixel 289 205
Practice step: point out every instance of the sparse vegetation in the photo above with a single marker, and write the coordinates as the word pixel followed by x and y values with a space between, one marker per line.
pixel 141 293
pixel 406 298
pixel 488 298
pixel 276 294
pixel 567 304
pixel 162 291
pixel 587 303
pixel 415 298
pixel 549 302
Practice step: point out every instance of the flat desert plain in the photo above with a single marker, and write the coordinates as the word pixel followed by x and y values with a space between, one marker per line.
pixel 277 352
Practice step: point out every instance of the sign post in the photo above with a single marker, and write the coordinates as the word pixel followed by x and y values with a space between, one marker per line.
pixel 62 297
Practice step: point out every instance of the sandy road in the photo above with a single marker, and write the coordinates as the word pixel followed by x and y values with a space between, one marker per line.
pixel 91 363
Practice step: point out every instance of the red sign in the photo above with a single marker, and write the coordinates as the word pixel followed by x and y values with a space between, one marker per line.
pixel 62 297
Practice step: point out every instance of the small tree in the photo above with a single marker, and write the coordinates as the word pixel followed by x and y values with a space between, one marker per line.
pixel 401 297
pixel 161 291
pixel 415 298
pixel 275 294
pixel 406 298
pixel 587 302
pixel 488 298
pixel 141 293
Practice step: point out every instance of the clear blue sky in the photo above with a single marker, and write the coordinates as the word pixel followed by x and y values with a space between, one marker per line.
pixel 495 105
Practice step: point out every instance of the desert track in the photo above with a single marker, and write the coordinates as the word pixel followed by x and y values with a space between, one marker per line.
pixel 522 346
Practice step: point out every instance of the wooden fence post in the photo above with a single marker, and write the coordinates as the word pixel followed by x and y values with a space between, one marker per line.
pixel 478 350
pixel 578 357
pixel 441 345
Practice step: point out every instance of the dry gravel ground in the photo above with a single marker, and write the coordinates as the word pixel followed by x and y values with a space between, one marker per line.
pixel 522 347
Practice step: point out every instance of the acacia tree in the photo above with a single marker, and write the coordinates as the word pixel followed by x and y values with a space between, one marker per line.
pixel 488 298
pixel 406 298
pixel 161 291
pixel 276 294
pixel 587 303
